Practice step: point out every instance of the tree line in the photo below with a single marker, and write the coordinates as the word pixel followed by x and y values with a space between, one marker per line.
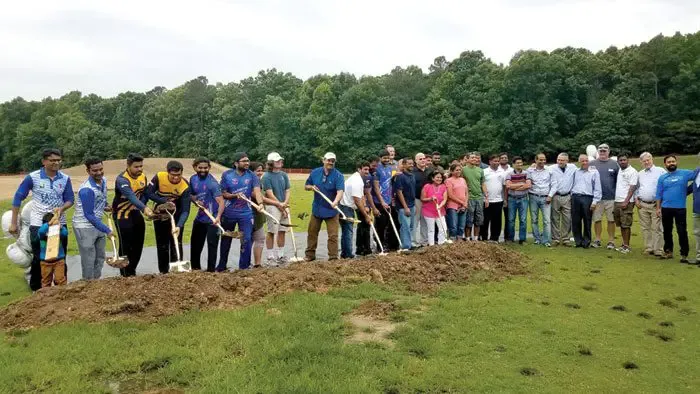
pixel 641 98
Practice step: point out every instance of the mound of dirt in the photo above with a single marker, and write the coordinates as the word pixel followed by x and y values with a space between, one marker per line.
pixel 151 297
pixel 150 167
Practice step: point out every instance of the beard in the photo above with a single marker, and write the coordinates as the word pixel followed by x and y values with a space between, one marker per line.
pixel 672 168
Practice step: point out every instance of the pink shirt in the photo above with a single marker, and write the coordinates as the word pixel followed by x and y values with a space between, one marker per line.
pixel 430 190
pixel 459 188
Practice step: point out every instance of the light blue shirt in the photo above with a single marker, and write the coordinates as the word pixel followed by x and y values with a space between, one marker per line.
pixel 564 179
pixel 587 182
pixel 542 182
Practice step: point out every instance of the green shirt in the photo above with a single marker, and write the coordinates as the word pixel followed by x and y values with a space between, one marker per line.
pixel 475 178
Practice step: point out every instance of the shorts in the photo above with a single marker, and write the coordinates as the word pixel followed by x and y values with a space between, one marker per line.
pixel 259 236
pixel 475 213
pixel 623 217
pixel 273 227
pixel 604 207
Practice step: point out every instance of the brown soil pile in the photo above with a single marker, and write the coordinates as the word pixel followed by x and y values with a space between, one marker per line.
pixel 151 297
pixel 375 309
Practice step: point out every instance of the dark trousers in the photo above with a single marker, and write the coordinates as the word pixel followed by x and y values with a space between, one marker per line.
pixel 362 238
pixel 492 222
pixel 668 216
pixel 581 217
pixel 506 230
pixel 131 232
pixel 165 244
pixel 35 268
pixel 201 233
pixel 381 223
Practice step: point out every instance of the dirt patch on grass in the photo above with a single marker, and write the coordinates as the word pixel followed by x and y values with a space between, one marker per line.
pixel 151 297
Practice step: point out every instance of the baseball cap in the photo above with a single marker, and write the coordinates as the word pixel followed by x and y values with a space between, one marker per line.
pixel 603 147
pixel 238 156
pixel 329 155
pixel 274 156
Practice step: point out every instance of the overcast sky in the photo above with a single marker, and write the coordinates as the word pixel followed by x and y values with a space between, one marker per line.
pixel 50 47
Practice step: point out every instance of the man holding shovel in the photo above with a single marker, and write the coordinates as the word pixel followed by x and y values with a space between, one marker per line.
pixel 382 196
pixel 205 192
pixel 51 190
pixel 353 201
pixel 168 190
pixel 235 184
pixel 405 195
pixel 328 181
pixel 87 221
pixel 128 204
pixel 276 188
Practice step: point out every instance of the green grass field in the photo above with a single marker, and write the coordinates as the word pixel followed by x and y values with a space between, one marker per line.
pixel 570 325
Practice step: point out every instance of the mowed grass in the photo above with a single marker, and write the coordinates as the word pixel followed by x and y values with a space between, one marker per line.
pixel 571 325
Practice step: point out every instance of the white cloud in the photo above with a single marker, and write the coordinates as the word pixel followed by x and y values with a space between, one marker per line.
pixel 109 46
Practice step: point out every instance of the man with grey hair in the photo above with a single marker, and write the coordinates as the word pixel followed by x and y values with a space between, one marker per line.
pixel 421 173
pixel 608 169
pixel 647 180
pixel 563 174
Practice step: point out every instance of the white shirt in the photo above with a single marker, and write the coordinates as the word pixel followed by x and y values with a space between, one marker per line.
pixel 625 179
pixel 494 183
pixel 354 187
pixel 647 181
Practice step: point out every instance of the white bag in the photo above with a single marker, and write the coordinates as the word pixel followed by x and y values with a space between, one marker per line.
pixel 24 240
pixel 6 221
pixel 18 256
pixel 26 214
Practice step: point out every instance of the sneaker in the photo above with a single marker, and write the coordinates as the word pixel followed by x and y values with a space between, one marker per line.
pixel 649 252
pixel 547 245
pixel 555 243
pixel 625 249
pixel 283 261
pixel 666 256
pixel 611 245
pixel 684 260
pixel 271 262
pixel 596 244
pixel 537 242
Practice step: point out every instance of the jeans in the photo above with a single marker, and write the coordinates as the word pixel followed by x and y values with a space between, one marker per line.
pixel 420 230
pixel 407 223
pixel 668 216
pixel 245 226
pixel 346 230
pixel 537 204
pixel 201 233
pixel 456 222
pixel 517 206
pixel 91 244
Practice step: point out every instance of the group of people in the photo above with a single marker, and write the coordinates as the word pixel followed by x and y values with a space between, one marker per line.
pixel 399 204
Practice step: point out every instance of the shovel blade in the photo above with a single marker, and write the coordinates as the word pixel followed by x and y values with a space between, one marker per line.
pixel 181 266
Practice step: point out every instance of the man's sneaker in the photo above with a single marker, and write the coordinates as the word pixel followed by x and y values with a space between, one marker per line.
pixel 283 261
pixel 547 245
pixel 595 244
pixel 611 245
pixel 521 242
pixel 684 260
pixel 271 262
pixel 537 242
pixel 666 256
pixel 649 252
pixel 625 249
pixel 555 243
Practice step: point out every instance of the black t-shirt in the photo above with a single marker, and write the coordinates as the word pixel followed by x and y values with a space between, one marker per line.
pixel 422 177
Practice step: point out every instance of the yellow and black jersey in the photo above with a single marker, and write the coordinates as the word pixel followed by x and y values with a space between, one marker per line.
pixel 161 190
pixel 129 194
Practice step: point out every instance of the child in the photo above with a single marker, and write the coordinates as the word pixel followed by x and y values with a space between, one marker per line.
pixel 53 270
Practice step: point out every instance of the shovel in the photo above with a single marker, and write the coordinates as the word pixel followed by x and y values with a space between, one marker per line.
pixel 442 225
pixel 116 261
pixel 232 234
pixel 268 214
pixel 396 232
pixel 342 215
pixel 376 237
pixel 296 257
pixel 178 266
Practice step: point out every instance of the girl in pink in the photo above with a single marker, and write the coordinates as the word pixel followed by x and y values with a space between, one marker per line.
pixel 434 193
pixel 457 202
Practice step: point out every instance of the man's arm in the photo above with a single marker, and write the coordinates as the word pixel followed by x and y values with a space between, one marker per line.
pixel 87 198
pixel 20 195
pixel 553 186
pixel 378 193
pixel 184 208
pixel 151 192
pixel 309 185
pixel 340 187
pixel 659 194
pixel 359 202
pixel 68 197
pixel 630 193
pixel 125 189
pixel 224 189
pixel 597 189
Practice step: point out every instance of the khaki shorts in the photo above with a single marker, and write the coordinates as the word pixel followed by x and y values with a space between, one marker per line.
pixel 623 217
pixel 259 236
pixel 273 227
pixel 604 207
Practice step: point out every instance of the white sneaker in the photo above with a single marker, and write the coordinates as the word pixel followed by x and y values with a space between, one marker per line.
pixel 271 262
pixel 283 261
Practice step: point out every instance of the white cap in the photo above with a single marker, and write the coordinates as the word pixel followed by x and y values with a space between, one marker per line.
pixel 329 155
pixel 274 156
